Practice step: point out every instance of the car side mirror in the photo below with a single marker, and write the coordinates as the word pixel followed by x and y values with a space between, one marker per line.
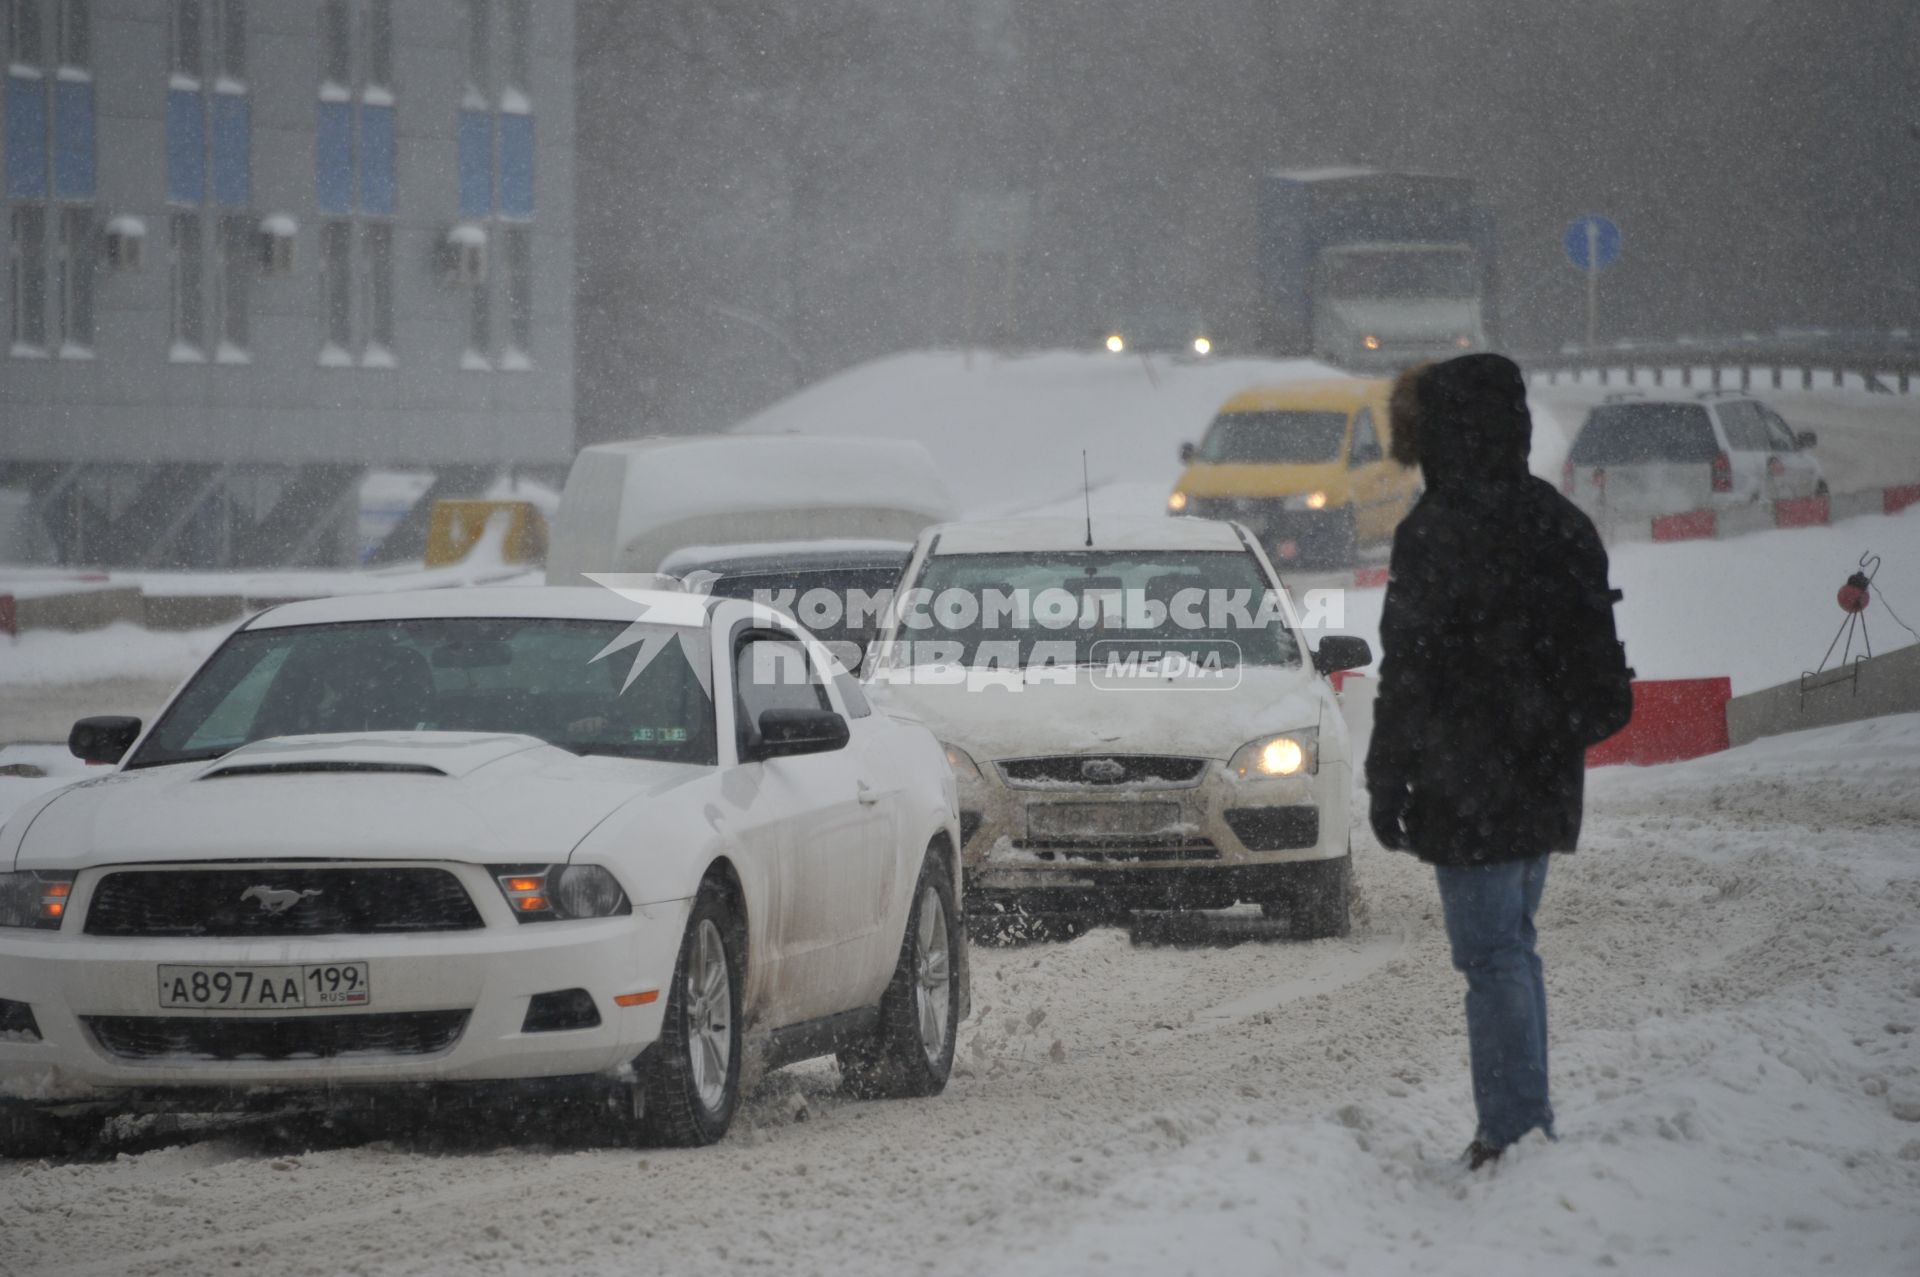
pixel 1339 652
pixel 1805 439
pixel 103 740
pixel 785 732
pixel 1187 453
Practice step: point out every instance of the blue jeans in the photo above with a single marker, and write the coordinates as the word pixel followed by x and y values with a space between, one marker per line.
pixel 1489 911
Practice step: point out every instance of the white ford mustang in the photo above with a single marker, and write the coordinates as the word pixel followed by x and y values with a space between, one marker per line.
pixel 622 846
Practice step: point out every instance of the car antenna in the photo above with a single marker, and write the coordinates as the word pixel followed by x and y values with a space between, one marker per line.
pixel 1086 490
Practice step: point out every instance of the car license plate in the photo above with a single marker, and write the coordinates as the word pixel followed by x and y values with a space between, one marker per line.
pixel 1100 820
pixel 266 988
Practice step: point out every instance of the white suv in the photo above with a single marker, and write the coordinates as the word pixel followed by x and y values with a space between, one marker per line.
pixel 1637 457
pixel 1134 718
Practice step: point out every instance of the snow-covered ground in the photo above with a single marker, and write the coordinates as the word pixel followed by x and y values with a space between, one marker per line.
pixel 1734 966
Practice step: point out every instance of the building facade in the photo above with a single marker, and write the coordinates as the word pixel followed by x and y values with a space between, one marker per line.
pixel 258 248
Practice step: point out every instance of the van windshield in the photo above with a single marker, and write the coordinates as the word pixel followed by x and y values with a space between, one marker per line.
pixel 1274 437
pixel 1629 434
pixel 1400 274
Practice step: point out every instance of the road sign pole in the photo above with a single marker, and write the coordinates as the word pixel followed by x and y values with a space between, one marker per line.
pixel 1593 283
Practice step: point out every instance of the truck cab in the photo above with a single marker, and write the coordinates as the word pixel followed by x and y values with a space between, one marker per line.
pixel 1389 305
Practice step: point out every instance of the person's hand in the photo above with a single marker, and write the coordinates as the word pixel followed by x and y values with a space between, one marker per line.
pixel 1387 812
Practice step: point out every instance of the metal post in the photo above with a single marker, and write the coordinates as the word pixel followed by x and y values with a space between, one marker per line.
pixel 1593 283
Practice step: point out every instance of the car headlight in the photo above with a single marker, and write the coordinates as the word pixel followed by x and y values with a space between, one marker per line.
pixel 964 768
pixel 547 893
pixel 1285 754
pixel 1370 341
pixel 1177 502
pixel 1116 343
pixel 1202 346
pixel 1304 501
pixel 29 899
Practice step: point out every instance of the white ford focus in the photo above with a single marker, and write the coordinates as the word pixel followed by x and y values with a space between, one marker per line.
pixel 483 836
pixel 1135 718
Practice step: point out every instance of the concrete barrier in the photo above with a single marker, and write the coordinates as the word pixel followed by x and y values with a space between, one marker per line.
pixel 88 609
pixel 1884 684
pixel 191 611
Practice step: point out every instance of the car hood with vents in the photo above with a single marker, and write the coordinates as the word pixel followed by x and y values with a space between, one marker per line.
pixel 459 796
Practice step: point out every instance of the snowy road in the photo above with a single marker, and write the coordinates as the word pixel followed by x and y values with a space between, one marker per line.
pixel 1734 960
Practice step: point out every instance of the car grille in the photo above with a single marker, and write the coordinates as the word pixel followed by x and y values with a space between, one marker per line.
pixel 1114 851
pixel 1103 771
pixel 1275 828
pixel 223 902
pixel 321 1037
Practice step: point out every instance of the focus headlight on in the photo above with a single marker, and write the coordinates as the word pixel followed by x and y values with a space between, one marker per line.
pixel 1304 501
pixel 1287 754
pixel 29 899
pixel 964 768
pixel 1202 346
pixel 1117 344
pixel 547 893
pixel 1370 341
pixel 1177 502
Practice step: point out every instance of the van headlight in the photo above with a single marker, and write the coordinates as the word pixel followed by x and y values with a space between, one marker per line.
pixel 1304 501
pixel 1177 502
pixel 1295 753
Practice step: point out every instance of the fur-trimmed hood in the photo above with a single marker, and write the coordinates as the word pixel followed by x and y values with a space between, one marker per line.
pixel 1463 421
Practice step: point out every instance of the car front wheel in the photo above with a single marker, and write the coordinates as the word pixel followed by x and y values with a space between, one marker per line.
pixel 691 1077
pixel 911 1053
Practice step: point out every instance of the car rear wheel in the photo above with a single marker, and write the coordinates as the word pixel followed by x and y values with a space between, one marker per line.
pixel 1318 904
pixel 690 1078
pixel 911 1053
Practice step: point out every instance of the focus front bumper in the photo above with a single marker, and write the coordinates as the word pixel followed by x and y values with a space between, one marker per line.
pixel 490 974
pixel 1205 861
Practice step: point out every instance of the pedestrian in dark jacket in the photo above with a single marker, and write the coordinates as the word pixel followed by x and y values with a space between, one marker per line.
pixel 1477 760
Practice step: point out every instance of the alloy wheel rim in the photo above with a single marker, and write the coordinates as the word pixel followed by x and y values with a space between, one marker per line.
pixel 932 984
pixel 709 1015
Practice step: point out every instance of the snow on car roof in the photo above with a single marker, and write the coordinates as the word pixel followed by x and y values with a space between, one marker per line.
pixel 1005 536
pixel 795 555
pixel 540 602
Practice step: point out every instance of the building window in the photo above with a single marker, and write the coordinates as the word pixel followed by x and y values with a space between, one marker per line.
pixel 379 44
pixel 495 167
pixel 336 292
pixel 79 253
pixel 520 47
pixel 239 241
pixel 23 32
pixel 189 42
pixel 76 35
pixel 376 240
pixel 518 243
pixel 336 44
pixel 189 289
pixel 27 278
pixel 357 182
pixel 479 22
pixel 48 109
pixel 232 43
pixel 209 154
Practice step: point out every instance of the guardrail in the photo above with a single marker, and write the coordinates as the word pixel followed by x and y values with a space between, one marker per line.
pixel 1886 364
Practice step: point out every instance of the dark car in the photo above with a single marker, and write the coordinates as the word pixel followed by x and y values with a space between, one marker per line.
pixel 838 590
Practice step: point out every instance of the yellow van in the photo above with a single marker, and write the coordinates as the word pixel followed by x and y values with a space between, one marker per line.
pixel 1304 466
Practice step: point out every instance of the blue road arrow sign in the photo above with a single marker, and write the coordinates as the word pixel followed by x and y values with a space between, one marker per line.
pixel 1592 242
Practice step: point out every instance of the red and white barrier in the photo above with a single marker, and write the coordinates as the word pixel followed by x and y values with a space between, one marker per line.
pixel 1673 719
pixel 1762 516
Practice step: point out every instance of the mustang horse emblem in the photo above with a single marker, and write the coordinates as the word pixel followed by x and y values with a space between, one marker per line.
pixel 277 900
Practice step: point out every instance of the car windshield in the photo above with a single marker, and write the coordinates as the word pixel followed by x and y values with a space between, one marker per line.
pixel 1629 434
pixel 1400 274
pixel 838 605
pixel 993 609
pixel 554 679
pixel 1274 437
